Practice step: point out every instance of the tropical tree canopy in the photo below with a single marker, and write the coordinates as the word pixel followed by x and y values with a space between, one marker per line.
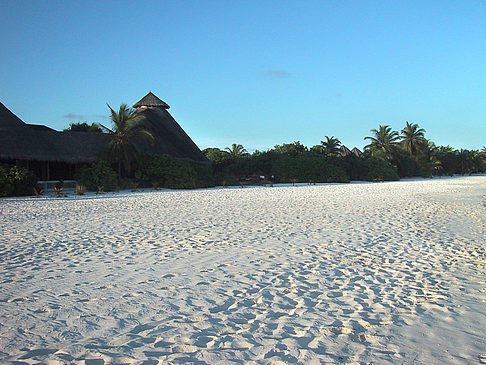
pixel 236 150
pixel 318 148
pixel 126 133
pixel 383 139
pixel 413 138
pixel 84 127
pixel 293 148
pixel 214 154
pixel 331 145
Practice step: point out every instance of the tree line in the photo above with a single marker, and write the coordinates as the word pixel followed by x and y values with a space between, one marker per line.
pixel 389 155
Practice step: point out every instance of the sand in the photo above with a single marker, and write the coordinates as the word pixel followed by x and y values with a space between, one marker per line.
pixel 351 273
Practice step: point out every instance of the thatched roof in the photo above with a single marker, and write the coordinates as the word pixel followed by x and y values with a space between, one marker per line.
pixel 344 151
pixel 169 137
pixel 357 152
pixel 40 127
pixel 19 141
pixel 151 101
pixel 75 147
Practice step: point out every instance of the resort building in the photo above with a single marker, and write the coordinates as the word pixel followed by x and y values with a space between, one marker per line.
pixel 54 155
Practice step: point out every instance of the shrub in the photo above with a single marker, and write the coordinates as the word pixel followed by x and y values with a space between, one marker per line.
pixel 16 181
pixel 227 180
pixel 99 176
pixel 306 168
pixel 168 172
pixel 377 168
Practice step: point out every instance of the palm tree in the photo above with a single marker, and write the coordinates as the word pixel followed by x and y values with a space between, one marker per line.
pixel 331 145
pixel 236 150
pixel 413 137
pixel 384 139
pixel 465 160
pixel 126 132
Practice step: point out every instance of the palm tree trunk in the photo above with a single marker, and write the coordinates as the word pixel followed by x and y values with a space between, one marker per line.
pixel 119 173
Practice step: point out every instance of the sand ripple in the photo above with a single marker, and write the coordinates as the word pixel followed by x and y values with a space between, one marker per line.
pixel 357 273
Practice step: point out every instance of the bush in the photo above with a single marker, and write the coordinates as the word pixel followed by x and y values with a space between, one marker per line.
pixel 96 176
pixel 16 181
pixel 226 180
pixel 168 172
pixel 377 169
pixel 306 168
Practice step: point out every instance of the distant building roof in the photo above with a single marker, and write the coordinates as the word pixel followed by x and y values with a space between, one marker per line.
pixel 344 151
pixel 357 152
pixel 151 101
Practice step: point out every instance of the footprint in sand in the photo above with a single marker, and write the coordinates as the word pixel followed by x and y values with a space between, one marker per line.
pixel 223 307
pixel 141 328
pixel 38 352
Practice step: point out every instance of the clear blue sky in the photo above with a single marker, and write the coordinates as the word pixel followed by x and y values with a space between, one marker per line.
pixel 258 73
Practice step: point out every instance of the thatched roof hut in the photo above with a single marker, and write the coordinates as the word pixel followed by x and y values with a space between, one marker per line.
pixel 21 141
pixel 25 142
pixel 18 140
pixel 151 101
pixel 169 137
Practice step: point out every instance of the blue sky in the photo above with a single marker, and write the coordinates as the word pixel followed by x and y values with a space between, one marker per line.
pixel 258 73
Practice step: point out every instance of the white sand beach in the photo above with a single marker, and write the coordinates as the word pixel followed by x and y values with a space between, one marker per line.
pixel 383 273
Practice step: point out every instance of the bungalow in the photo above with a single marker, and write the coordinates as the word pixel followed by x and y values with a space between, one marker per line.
pixel 54 155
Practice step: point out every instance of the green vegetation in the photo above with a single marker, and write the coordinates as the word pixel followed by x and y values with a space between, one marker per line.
pixel 331 146
pixel 389 156
pixel 84 127
pixel 17 181
pixel 383 142
pixel 126 132
pixel 80 189
pixel 97 177
pixel 236 151
pixel 167 172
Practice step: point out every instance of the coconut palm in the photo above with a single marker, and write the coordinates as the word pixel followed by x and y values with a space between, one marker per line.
pixel 465 160
pixel 384 140
pixel 331 145
pixel 413 138
pixel 126 133
pixel 236 150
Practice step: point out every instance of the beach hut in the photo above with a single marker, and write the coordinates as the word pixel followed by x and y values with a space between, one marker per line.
pixel 54 155
pixel 169 137
pixel 50 154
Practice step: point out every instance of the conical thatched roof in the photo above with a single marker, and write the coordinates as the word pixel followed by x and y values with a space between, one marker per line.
pixel 357 152
pixel 169 137
pixel 151 101
pixel 344 151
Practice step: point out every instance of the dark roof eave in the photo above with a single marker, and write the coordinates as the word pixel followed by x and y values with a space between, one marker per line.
pixel 48 158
